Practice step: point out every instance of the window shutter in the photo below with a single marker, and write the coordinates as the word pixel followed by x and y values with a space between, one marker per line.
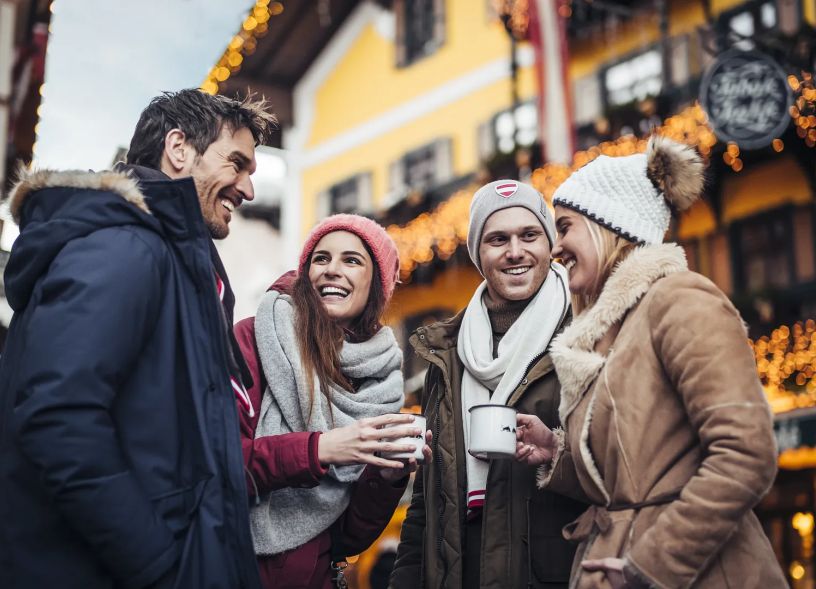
pixel 443 160
pixel 399 17
pixel 396 183
pixel 680 60
pixel 365 200
pixel 789 16
pixel 485 141
pixel 587 99
pixel 323 205
pixel 439 22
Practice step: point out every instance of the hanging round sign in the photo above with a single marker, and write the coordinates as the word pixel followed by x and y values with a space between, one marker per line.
pixel 747 97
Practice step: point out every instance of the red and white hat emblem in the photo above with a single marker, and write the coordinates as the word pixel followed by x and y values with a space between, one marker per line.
pixel 506 189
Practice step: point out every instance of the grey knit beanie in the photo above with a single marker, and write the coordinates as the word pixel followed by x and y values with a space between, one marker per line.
pixel 504 194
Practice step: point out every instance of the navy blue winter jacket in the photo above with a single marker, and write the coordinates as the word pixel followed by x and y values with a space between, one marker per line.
pixel 120 457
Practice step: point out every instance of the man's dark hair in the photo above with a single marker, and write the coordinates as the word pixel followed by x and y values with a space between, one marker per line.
pixel 201 117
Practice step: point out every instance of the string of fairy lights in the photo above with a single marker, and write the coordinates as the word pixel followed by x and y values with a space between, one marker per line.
pixel 255 25
pixel 786 360
pixel 438 233
pixel 786 363
pixel 803 110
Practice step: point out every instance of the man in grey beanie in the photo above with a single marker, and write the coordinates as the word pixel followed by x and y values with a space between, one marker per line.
pixel 502 531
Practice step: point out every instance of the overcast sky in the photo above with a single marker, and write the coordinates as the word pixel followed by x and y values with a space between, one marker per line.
pixel 108 58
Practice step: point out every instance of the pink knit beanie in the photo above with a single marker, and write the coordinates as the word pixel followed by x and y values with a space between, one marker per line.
pixel 373 235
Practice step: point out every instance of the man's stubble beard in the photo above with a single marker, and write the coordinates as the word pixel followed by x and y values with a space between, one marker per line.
pixel 216 229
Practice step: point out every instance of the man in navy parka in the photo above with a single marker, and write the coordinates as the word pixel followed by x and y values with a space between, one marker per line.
pixel 120 458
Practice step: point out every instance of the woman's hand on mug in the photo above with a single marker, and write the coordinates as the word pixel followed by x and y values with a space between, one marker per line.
pixel 535 442
pixel 359 442
pixel 394 474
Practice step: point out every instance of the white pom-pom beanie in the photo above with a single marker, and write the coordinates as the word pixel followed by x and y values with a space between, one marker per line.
pixel 633 195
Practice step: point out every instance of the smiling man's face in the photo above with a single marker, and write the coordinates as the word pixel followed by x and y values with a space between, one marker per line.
pixel 221 176
pixel 515 255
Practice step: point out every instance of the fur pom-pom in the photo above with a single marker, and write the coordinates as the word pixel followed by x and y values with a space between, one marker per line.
pixel 676 170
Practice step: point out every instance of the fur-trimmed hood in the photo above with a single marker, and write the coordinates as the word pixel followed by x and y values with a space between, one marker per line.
pixel 573 352
pixel 54 208
pixel 30 181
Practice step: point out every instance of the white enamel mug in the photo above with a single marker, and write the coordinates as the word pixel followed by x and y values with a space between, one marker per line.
pixel 417 441
pixel 492 431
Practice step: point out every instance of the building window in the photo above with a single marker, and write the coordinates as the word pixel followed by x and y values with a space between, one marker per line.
pixel 586 96
pixel 763 252
pixel 747 22
pixel 633 79
pixel 509 129
pixel 420 28
pixel 352 195
pixel 421 169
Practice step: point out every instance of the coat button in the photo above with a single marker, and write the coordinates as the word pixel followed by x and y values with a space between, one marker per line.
pixel 432 351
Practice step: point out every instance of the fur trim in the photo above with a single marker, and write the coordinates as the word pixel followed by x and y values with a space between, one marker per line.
pixel 30 181
pixel 545 472
pixel 573 351
pixel 676 170
pixel 586 451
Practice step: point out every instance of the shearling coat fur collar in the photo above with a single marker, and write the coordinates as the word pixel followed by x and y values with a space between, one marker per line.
pixel 573 352
pixel 30 181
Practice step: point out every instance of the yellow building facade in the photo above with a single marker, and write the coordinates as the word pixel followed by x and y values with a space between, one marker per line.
pixel 404 130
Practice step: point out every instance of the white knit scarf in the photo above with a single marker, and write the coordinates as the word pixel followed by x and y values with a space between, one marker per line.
pixel 492 380
pixel 288 518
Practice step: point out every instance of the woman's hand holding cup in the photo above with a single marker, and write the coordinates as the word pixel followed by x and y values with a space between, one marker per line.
pixel 363 440
pixel 393 474
pixel 535 442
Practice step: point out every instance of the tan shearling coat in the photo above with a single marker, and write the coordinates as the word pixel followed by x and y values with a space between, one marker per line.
pixel 661 405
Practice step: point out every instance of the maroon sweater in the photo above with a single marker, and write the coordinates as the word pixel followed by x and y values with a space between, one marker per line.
pixel 291 460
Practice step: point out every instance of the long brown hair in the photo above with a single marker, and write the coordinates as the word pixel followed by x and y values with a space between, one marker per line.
pixel 611 249
pixel 320 337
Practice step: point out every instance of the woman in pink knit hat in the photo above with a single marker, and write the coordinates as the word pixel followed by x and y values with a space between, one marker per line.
pixel 327 380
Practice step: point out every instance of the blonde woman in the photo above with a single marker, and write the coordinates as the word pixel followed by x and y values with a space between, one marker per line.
pixel 667 432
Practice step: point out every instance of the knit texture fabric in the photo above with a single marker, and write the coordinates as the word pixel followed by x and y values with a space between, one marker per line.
pixel 616 193
pixel 288 518
pixel 502 317
pixel 504 194
pixel 382 247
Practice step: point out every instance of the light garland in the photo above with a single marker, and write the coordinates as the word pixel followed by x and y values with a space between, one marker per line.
pixel 803 110
pixel 255 25
pixel 786 363
pixel 437 233
pixel 441 231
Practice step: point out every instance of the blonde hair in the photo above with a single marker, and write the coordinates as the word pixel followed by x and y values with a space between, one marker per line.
pixel 610 248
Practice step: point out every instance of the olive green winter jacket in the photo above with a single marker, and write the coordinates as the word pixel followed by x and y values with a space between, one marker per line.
pixel 521 526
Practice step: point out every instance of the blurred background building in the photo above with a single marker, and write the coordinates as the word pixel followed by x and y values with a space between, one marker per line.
pixel 400 109
pixel 23 39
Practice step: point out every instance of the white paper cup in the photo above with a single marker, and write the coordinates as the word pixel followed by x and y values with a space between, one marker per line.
pixel 492 431
pixel 418 441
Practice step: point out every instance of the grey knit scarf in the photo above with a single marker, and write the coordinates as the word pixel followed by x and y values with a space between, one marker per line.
pixel 288 518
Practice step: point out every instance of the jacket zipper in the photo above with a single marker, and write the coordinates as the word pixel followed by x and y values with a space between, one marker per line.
pixel 529 366
pixel 542 354
pixel 238 507
pixel 438 461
